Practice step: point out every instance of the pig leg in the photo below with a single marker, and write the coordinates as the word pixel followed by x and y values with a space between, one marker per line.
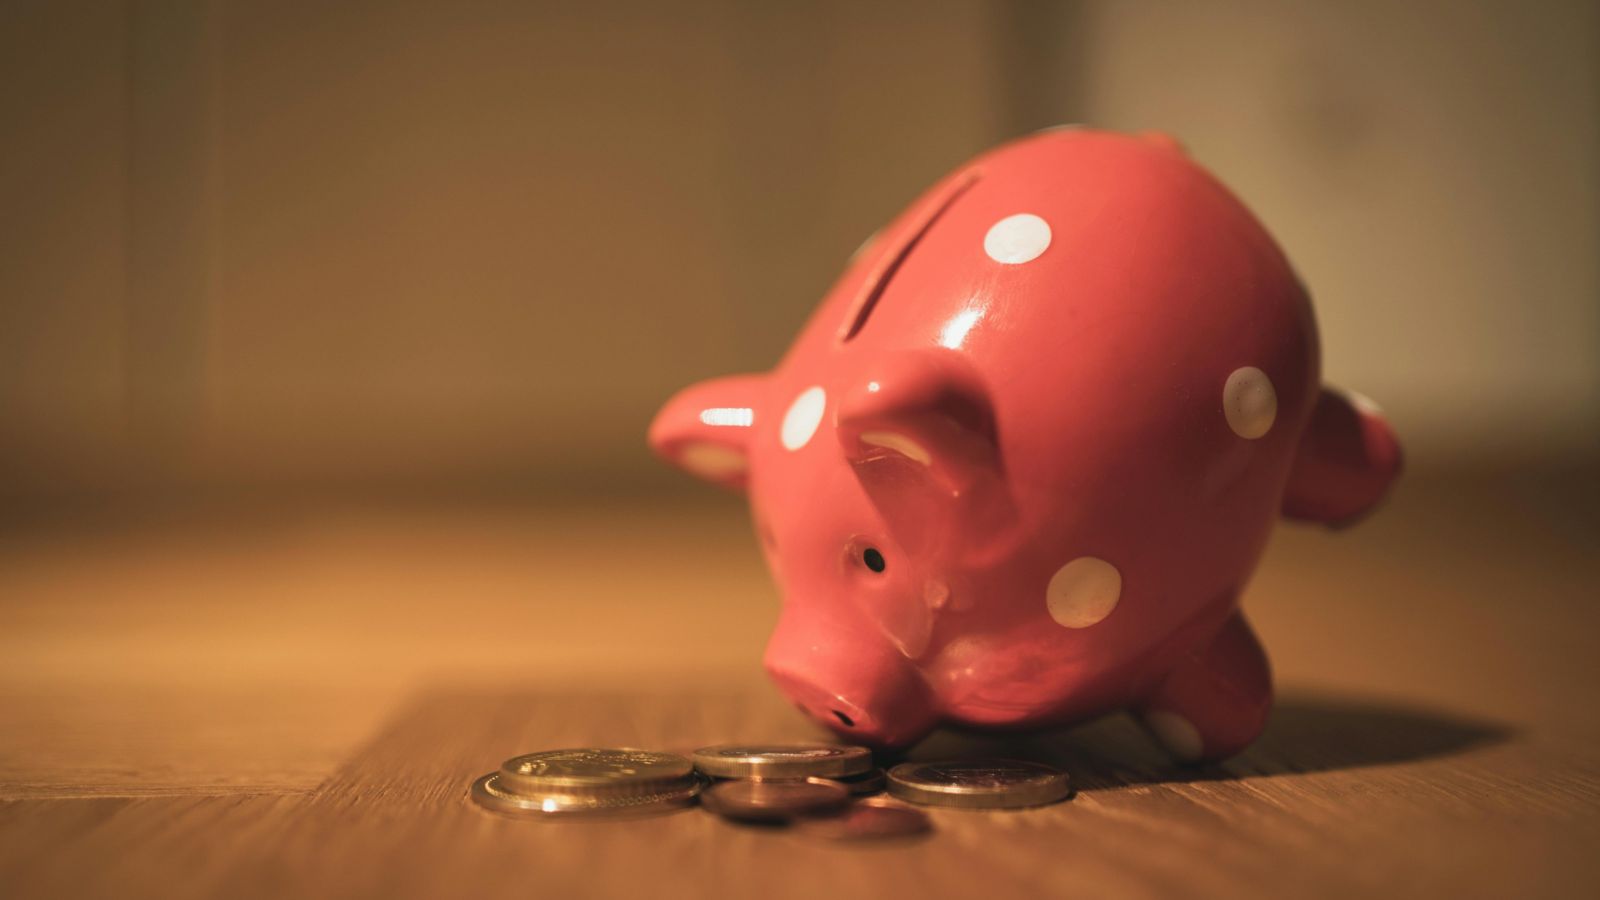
pixel 1216 701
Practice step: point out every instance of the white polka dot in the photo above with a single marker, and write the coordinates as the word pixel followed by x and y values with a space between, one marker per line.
pixel 1176 733
pixel 1249 402
pixel 899 443
pixel 1017 239
pixel 803 417
pixel 1083 592
pixel 712 461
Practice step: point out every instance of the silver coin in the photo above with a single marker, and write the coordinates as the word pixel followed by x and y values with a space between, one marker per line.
pixel 489 793
pixel 782 760
pixel 773 800
pixel 867 820
pixel 594 770
pixel 978 783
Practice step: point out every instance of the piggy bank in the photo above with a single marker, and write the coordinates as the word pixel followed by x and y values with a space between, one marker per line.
pixel 1022 459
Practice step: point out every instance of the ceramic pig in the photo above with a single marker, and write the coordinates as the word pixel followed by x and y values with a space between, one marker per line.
pixel 1021 461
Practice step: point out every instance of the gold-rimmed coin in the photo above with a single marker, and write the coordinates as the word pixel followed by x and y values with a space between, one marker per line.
pixel 594 770
pixel 489 793
pixel 978 783
pixel 773 800
pixel 867 820
pixel 782 760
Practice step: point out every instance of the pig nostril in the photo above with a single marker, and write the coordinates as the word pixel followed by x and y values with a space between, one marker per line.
pixel 848 722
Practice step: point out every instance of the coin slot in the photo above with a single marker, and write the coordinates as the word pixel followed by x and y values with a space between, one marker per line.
pixel 848 722
pixel 880 282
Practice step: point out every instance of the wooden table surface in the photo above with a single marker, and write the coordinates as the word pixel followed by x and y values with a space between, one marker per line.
pixel 293 702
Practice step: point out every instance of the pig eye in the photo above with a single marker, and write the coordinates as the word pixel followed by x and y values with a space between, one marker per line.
pixel 873 559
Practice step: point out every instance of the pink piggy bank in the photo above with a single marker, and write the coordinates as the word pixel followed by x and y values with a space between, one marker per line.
pixel 1020 463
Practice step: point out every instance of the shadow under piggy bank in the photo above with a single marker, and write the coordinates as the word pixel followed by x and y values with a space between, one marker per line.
pixel 1308 732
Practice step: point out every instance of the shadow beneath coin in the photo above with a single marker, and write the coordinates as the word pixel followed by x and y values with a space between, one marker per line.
pixel 1308 732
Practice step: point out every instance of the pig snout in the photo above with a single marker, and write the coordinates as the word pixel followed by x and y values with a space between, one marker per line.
pixel 851 680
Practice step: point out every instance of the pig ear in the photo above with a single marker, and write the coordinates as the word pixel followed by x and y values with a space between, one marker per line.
pixel 705 428
pixel 923 421
pixel 1348 457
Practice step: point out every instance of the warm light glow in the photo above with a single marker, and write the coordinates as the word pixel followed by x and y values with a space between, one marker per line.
pixel 549 804
pixel 736 416
pixel 955 330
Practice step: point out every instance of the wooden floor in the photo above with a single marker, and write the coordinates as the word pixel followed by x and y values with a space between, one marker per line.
pixel 292 703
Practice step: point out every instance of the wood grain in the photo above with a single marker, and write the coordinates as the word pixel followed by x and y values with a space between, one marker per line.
pixel 1434 735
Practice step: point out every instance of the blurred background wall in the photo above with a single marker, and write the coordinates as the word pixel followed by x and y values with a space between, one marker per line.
pixel 267 246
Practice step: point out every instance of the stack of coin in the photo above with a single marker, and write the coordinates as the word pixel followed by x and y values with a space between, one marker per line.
pixel 807 785
pixel 589 782
pixel 837 761
pixel 816 787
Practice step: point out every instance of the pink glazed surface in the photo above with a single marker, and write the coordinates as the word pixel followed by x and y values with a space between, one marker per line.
pixel 1022 459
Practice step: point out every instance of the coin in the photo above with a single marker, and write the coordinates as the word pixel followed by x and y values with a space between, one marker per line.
pixel 869 782
pixel 782 760
pixel 594 770
pixel 867 820
pixel 489 793
pixel 978 783
pixel 773 800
